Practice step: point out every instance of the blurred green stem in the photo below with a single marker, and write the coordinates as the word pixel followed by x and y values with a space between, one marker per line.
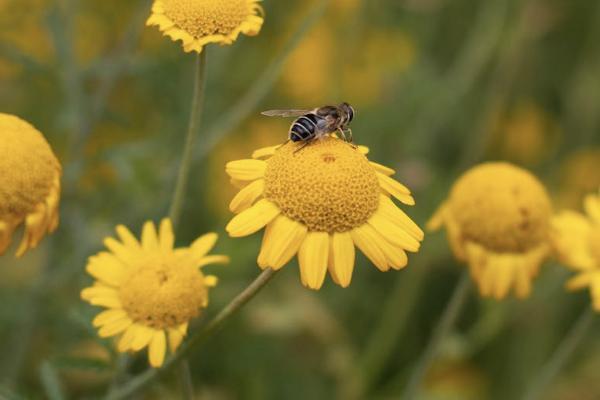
pixel 560 356
pixel 188 150
pixel 177 201
pixel 197 338
pixel 445 324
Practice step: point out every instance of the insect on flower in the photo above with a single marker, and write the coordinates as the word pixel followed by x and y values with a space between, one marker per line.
pixel 317 123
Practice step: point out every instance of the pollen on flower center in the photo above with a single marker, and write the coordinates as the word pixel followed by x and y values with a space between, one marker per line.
pixel 207 17
pixel 594 243
pixel 328 185
pixel 162 295
pixel 502 207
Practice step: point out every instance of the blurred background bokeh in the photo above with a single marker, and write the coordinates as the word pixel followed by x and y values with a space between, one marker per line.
pixel 438 86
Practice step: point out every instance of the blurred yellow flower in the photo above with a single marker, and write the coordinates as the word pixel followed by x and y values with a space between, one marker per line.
pixel 526 135
pixel 576 241
pixel 200 22
pixel 29 183
pixel 497 219
pixel 151 289
pixel 579 175
pixel 320 203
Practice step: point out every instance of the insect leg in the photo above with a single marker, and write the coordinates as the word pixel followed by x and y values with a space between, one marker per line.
pixel 343 134
pixel 304 144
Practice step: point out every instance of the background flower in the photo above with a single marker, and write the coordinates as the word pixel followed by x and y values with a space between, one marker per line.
pixel 150 288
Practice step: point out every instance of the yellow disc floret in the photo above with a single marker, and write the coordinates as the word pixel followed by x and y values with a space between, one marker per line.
pixel 199 22
pixel 29 182
pixel 162 296
pixel 328 186
pixel 207 17
pixel 502 207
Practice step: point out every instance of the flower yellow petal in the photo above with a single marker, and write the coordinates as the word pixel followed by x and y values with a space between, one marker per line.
pixel 211 280
pixel 313 256
pixel 143 336
pixel 157 349
pixel 570 239
pixel 203 245
pixel 246 170
pixel 396 256
pixel 122 252
pixel 363 149
pixel 213 259
pixel 581 280
pixel 124 343
pixel 252 219
pixel 505 273
pixel 394 233
pixel 265 247
pixel 127 237
pixel 176 336
pixel 166 236
pixel 592 207
pixel 399 217
pixel 149 237
pixel 115 327
pixel 107 269
pixel 265 151
pixel 437 220
pixel 365 239
pixel 108 316
pixel 396 189
pixel 247 196
pixel 382 169
pixel 343 255
pixel 287 237
pixel 98 290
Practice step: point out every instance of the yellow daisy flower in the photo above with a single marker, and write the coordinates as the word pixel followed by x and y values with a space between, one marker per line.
pixel 576 241
pixel 150 288
pixel 497 219
pixel 29 184
pixel 200 22
pixel 319 203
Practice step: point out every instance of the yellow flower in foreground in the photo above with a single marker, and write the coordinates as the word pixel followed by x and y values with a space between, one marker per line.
pixel 320 202
pixel 200 22
pixel 29 183
pixel 576 240
pixel 497 219
pixel 151 289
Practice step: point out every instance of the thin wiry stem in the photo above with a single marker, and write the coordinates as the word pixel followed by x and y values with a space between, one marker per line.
pixel 560 356
pixel 177 201
pixel 188 151
pixel 197 338
pixel 445 323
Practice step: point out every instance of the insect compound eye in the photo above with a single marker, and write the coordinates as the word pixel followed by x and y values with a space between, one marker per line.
pixel 350 113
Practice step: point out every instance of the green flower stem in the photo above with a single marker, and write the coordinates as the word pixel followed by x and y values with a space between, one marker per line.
pixel 560 356
pixel 190 141
pixel 187 387
pixel 445 323
pixel 197 338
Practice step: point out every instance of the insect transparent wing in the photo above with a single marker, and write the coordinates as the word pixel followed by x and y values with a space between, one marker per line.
pixel 285 113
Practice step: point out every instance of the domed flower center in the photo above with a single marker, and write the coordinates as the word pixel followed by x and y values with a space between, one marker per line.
pixel 29 168
pixel 328 185
pixel 207 17
pixel 502 207
pixel 594 243
pixel 162 295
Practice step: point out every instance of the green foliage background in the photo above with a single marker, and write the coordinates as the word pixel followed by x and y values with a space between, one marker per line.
pixel 439 86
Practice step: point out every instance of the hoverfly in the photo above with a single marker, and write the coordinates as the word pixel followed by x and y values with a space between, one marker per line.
pixel 316 123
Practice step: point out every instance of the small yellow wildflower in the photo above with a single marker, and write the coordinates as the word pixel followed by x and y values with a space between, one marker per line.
pixel 497 219
pixel 320 203
pixel 576 240
pixel 151 289
pixel 29 183
pixel 200 22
